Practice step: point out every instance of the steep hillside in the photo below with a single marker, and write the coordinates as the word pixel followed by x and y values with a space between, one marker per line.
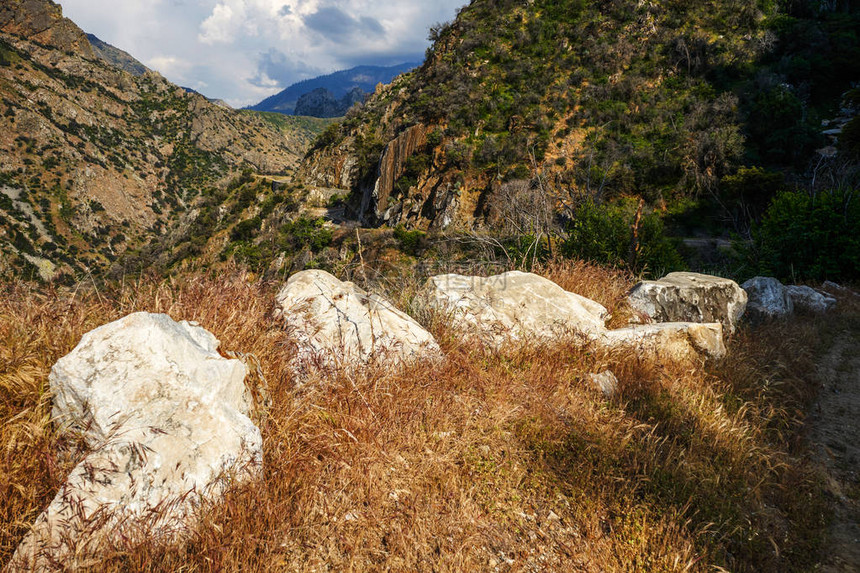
pixel 93 158
pixel 338 83
pixel 593 101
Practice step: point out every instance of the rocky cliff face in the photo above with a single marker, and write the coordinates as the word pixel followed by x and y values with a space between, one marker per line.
pixel 93 158
pixel 42 21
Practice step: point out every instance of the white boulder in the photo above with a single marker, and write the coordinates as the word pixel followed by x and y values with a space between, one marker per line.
pixel 512 306
pixel 165 421
pixel 767 298
pixel 670 341
pixel 810 300
pixel 336 323
pixel 690 297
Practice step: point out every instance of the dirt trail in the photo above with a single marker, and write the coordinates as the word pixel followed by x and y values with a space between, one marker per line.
pixel 835 440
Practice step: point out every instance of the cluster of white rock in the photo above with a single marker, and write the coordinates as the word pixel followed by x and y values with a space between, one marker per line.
pixel 769 298
pixel 165 419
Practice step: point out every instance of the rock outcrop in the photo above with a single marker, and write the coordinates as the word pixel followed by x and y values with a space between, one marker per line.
pixel 512 306
pixel 336 323
pixel 690 297
pixel 809 300
pixel 392 165
pixel 165 422
pixel 767 298
pixel 42 21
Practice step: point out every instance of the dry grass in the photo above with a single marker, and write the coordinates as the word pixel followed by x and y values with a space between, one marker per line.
pixel 488 462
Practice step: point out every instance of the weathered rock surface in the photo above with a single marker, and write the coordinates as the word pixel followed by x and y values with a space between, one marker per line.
pixel 669 340
pixel 767 298
pixel 392 165
pixel 517 306
pixel 43 22
pixel 336 323
pixel 512 306
pixel 606 382
pixel 810 300
pixel 165 420
pixel 690 297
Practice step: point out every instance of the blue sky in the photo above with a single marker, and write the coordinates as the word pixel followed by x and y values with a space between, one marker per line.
pixel 242 51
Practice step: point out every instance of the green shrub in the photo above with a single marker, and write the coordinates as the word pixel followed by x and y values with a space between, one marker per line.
pixel 849 140
pixel 304 232
pixel 246 230
pixel 604 234
pixel 811 237
pixel 751 189
pixel 409 241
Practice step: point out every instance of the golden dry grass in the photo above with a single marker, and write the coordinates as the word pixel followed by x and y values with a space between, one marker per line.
pixel 488 462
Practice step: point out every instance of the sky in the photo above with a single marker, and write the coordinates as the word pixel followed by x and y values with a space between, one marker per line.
pixel 243 51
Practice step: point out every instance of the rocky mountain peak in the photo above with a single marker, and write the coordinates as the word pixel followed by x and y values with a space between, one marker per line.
pixel 42 21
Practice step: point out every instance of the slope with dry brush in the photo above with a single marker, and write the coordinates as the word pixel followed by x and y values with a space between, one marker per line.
pixel 490 461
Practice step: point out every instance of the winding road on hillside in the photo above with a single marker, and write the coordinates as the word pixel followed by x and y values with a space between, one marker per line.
pixel 835 443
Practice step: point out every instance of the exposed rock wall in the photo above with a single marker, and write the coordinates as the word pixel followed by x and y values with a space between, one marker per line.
pixel 392 165
pixel 42 21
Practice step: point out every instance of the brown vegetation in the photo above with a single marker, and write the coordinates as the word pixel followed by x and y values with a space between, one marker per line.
pixel 491 461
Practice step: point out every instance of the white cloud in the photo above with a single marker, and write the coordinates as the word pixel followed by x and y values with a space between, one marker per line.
pixel 169 66
pixel 221 26
pixel 244 50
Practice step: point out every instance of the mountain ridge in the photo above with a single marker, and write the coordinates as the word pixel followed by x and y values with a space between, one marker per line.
pixel 116 57
pixel 338 83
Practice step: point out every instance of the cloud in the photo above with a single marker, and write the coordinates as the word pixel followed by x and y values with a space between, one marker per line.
pixel 339 27
pixel 169 65
pixel 221 25
pixel 276 69
pixel 245 50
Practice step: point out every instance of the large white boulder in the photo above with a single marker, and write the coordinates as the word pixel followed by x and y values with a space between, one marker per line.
pixel 690 297
pixel 669 341
pixel 767 298
pixel 512 306
pixel 336 323
pixel 809 299
pixel 165 421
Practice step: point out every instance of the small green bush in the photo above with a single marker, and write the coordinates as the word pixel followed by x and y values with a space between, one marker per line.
pixel 304 232
pixel 604 234
pixel 246 230
pixel 811 237
pixel 409 241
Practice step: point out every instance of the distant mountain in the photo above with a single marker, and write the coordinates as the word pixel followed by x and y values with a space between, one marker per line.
pixel 116 57
pixel 339 84
pixel 323 103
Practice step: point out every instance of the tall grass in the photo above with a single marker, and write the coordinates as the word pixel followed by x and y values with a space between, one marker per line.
pixel 489 461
